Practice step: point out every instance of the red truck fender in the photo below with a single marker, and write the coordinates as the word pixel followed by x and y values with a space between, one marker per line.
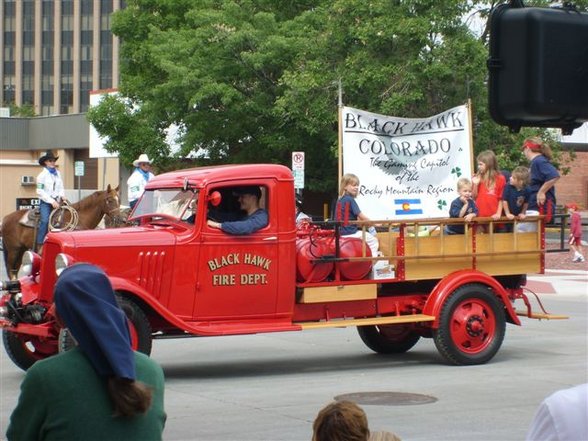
pixel 203 328
pixel 452 281
pixel 136 291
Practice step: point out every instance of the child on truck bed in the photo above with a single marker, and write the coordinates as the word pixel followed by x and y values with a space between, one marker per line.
pixel 488 185
pixel 462 207
pixel 348 210
pixel 515 198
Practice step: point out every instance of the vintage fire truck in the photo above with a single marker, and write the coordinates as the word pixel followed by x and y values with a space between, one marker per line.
pixel 175 276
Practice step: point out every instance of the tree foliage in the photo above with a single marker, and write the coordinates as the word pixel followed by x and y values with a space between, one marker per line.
pixel 254 80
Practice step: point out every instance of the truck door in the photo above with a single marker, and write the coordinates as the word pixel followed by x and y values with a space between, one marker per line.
pixel 237 274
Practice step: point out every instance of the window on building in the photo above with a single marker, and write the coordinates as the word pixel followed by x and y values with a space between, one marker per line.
pixel 47 83
pixel 67 38
pixel 27 97
pixel 66 22
pixel 67 7
pixel 8 87
pixel 28 53
pixel 28 67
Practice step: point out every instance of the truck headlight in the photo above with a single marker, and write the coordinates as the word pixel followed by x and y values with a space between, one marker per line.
pixel 62 261
pixel 31 264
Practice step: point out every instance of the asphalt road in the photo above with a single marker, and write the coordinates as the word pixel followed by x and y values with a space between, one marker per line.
pixel 270 387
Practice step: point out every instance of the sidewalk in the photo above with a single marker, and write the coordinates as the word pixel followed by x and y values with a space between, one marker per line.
pixel 561 276
pixel 563 261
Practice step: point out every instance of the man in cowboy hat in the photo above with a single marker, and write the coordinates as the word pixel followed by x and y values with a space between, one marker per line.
pixel 140 176
pixel 50 191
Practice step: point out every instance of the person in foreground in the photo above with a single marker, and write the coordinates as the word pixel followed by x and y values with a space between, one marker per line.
pixel 562 416
pixel 346 421
pixel 101 389
pixel 341 421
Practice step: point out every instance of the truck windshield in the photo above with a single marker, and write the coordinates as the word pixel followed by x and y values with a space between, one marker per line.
pixel 170 202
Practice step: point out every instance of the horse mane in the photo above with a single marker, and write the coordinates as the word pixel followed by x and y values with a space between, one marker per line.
pixel 88 201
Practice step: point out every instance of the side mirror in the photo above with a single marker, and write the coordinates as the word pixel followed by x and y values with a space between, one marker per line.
pixel 214 198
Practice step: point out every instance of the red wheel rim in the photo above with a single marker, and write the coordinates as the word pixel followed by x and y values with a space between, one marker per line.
pixel 472 326
pixel 134 336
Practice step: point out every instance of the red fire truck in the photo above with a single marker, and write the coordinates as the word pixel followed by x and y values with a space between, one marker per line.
pixel 175 276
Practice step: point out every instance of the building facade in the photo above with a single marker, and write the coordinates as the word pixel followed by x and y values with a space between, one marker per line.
pixel 54 52
pixel 25 140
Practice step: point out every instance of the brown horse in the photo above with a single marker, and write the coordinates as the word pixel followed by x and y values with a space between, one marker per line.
pixel 17 238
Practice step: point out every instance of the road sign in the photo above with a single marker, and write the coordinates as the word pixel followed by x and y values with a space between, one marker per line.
pixel 298 178
pixel 297 160
pixel 298 169
pixel 79 168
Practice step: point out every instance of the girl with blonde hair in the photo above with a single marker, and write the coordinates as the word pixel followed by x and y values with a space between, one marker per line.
pixel 348 210
pixel 488 185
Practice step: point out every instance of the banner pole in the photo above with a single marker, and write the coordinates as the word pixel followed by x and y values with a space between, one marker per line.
pixel 340 134
pixel 471 123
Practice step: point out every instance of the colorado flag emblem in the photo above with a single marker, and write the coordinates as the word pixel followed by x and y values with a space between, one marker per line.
pixel 406 207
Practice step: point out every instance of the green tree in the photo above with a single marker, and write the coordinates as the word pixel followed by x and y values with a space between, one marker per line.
pixel 26 110
pixel 254 80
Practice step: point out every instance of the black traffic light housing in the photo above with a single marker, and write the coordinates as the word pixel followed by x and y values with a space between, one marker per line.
pixel 538 66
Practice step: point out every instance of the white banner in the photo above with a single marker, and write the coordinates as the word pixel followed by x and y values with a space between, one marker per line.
pixel 407 167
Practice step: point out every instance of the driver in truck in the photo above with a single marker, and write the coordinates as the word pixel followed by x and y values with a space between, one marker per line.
pixel 255 216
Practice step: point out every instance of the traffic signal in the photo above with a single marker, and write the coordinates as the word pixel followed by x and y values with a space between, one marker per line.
pixel 538 67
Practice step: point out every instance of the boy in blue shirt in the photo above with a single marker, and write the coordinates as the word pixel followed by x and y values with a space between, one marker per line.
pixel 462 207
pixel 515 198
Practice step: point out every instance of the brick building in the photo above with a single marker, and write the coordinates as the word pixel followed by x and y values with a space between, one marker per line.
pixel 573 187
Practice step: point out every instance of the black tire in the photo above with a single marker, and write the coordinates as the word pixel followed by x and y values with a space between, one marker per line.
pixel 471 325
pixel 24 350
pixel 388 339
pixel 139 325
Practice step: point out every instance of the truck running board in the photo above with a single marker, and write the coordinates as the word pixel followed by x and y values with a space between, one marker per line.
pixel 388 320
pixel 541 315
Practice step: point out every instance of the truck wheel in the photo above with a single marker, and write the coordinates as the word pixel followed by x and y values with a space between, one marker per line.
pixel 139 325
pixel 471 325
pixel 388 339
pixel 24 350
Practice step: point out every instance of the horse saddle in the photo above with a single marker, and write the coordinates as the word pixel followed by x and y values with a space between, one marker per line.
pixel 31 217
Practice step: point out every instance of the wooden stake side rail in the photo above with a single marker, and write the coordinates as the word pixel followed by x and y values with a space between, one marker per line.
pixel 429 256
pixel 419 255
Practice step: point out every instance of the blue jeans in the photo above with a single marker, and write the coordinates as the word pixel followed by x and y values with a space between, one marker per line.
pixel 45 209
